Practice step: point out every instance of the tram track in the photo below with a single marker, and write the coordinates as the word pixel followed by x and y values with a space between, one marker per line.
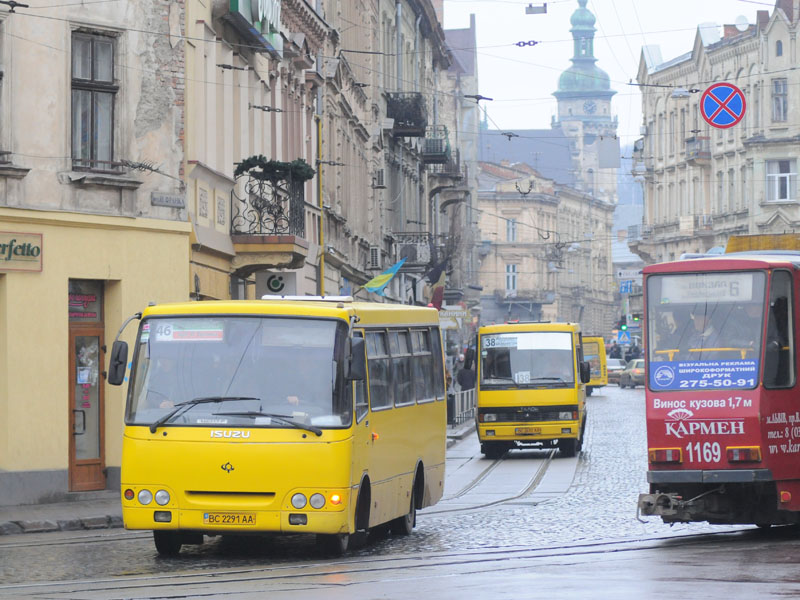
pixel 321 574
pixel 529 487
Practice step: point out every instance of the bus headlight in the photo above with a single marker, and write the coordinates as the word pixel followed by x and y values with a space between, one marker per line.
pixel 566 416
pixel 317 500
pixel 298 501
pixel 145 496
pixel 162 497
pixel 489 417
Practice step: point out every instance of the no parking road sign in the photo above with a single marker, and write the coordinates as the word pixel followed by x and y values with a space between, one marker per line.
pixel 722 105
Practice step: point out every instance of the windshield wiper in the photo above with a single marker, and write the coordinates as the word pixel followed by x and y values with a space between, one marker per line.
pixel 286 419
pixel 561 379
pixel 184 406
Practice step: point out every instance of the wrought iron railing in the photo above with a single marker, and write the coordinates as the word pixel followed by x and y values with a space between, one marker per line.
pixel 269 207
pixel 698 148
pixel 451 168
pixel 463 407
pixel 436 146
pixel 409 113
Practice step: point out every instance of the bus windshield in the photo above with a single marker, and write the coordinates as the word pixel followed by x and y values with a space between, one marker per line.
pixel 529 359
pixel 704 330
pixel 239 371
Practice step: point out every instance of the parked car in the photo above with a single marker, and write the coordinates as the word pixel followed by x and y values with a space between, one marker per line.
pixel 614 366
pixel 633 374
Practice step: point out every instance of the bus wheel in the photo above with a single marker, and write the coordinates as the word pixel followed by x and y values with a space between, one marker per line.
pixel 404 525
pixel 333 544
pixel 168 543
pixel 589 390
pixel 568 448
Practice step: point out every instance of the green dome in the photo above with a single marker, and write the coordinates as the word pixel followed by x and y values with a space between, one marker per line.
pixel 584 77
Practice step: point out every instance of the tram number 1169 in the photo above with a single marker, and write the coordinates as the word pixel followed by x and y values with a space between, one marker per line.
pixel 706 452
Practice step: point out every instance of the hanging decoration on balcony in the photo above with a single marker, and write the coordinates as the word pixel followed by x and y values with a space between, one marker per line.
pixel 273 202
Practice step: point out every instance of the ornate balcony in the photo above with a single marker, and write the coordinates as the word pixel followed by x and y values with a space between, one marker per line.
pixel 268 222
pixel 409 113
pixel 415 246
pixel 436 146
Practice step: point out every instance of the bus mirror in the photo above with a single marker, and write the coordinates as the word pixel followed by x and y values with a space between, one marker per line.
pixel 586 372
pixel 357 362
pixel 118 363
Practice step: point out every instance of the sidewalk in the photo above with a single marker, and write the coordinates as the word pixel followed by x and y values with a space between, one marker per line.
pixel 102 510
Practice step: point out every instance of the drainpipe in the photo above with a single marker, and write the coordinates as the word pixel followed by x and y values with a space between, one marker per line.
pixel 318 119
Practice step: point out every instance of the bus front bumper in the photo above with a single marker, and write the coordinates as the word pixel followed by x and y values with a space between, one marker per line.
pixel 528 432
pixel 240 521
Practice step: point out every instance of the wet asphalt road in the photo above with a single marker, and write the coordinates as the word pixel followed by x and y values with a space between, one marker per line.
pixel 528 509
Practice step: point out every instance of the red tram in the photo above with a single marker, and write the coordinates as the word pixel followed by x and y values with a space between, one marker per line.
pixel 723 405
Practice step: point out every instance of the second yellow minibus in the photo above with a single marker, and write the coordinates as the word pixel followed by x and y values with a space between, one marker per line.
pixel 594 352
pixel 531 387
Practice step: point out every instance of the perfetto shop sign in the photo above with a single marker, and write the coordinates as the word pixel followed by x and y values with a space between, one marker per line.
pixel 20 251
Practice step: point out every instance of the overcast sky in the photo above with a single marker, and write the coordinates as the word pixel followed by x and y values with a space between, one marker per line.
pixel 522 79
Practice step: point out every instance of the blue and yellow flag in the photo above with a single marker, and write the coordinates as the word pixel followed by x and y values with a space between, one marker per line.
pixel 378 283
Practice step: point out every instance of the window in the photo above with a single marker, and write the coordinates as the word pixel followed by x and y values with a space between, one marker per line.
pixel 781 180
pixel 362 405
pixel 779 48
pixel 732 204
pixel 779 353
pixel 438 359
pixel 93 93
pixel 381 391
pixel 779 99
pixel 423 364
pixel 511 230
pixel 511 279
pixel 400 347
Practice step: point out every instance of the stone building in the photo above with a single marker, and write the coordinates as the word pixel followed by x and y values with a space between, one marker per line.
pixel 351 89
pixel 93 226
pixel 545 250
pixel 703 184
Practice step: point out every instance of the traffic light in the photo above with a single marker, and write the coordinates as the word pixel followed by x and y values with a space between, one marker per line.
pixel 623 323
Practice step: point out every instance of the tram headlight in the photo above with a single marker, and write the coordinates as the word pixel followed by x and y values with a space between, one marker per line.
pixel 299 501
pixel 162 497
pixel 317 500
pixel 145 496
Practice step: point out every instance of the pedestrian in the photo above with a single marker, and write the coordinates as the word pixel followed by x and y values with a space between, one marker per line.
pixel 466 379
pixel 615 351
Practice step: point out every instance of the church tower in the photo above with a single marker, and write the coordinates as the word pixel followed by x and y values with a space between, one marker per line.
pixel 584 112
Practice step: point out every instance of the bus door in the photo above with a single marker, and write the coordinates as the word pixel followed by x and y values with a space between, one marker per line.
pixel 373 435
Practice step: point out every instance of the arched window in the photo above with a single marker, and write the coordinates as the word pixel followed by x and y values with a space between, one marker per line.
pixel 779 48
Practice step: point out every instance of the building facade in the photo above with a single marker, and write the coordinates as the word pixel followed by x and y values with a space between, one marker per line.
pixel 93 226
pixel 703 184
pixel 545 250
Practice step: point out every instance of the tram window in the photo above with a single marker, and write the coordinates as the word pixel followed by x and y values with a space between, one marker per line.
pixel 401 367
pixel 779 355
pixel 360 392
pixel 381 391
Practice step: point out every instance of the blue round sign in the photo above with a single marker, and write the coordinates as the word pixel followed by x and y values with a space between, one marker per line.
pixel 722 105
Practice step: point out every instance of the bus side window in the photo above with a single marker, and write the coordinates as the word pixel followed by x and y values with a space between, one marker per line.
pixel 436 349
pixel 779 355
pixel 381 391
pixel 360 391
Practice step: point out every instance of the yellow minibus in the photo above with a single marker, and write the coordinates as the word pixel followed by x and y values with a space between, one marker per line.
pixel 322 416
pixel 531 387
pixel 594 352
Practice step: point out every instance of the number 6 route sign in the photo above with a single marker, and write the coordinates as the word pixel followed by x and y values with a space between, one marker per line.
pixel 722 105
